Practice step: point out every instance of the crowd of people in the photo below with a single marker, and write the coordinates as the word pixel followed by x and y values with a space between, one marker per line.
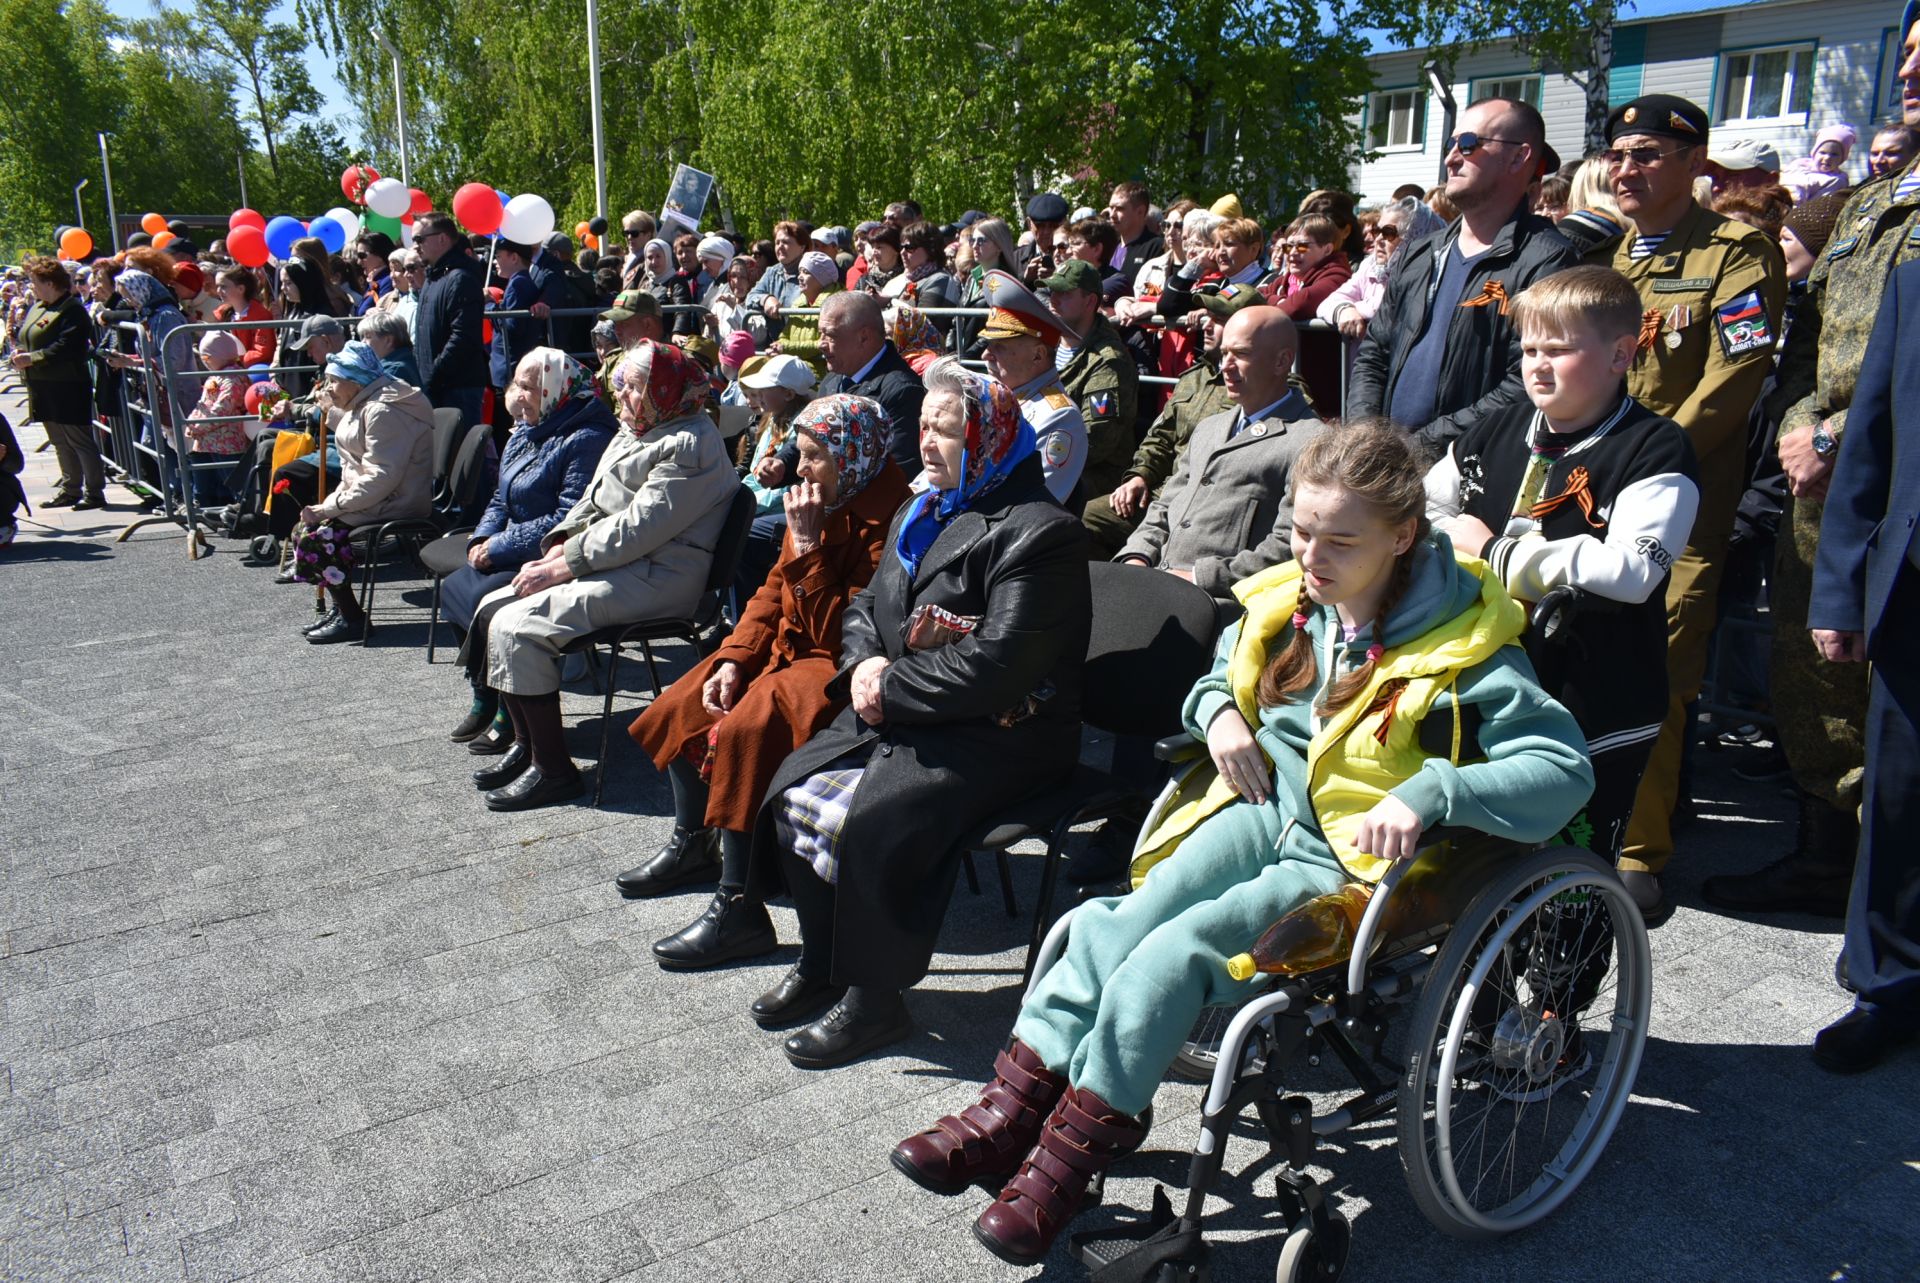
pixel 1663 376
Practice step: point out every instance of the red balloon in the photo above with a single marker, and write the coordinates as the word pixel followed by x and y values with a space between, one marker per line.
pixel 478 208
pixel 248 245
pixel 422 203
pixel 355 179
pixel 246 218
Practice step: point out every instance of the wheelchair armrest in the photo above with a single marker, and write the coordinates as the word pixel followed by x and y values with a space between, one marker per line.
pixel 1177 748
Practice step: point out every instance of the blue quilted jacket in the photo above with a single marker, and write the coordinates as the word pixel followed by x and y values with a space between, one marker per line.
pixel 545 470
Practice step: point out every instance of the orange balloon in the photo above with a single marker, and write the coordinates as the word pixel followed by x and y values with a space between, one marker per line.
pixel 152 224
pixel 582 229
pixel 593 242
pixel 74 243
pixel 162 238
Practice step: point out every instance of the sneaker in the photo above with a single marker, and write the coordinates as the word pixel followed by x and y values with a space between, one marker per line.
pixel 63 499
pixel 7 533
pixel 89 502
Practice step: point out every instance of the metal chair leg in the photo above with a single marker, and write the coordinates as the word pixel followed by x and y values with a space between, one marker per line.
pixel 1049 881
pixel 606 721
pixel 433 628
pixel 653 672
pixel 1006 883
pixel 973 875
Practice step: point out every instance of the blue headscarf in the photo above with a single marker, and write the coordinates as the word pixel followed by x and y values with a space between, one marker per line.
pixel 998 439
pixel 356 361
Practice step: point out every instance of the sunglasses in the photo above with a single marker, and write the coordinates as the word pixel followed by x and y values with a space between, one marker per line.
pixel 1644 157
pixel 1297 247
pixel 1385 232
pixel 631 232
pixel 1468 143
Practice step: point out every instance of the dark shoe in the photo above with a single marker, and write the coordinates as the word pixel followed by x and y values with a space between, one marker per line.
pixel 1106 857
pixel 795 999
pixel 473 724
pixel 1814 877
pixel 1081 1139
pixel 508 769
pixel 1767 764
pixel 90 502
pixel 733 927
pixel 336 628
pixel 1861 1039
pixel 1647 892
pixel 493 741
pixel 689 856
pixel 64 499
pixel 990 1139
pixel 534 790
pixel 325 621
pixel 845 1034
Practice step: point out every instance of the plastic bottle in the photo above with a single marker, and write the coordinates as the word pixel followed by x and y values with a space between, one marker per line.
pixel 1317 934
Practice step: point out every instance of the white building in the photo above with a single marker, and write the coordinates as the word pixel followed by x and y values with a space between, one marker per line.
pixel 1776 70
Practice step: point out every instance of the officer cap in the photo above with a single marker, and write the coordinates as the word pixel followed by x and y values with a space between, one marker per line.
pixel 1018 311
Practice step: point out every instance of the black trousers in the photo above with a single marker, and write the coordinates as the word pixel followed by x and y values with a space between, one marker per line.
pixel 303 487
pixel 1883 911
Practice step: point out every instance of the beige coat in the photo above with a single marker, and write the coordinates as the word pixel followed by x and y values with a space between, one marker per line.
pixel 640 543
pixel 385 436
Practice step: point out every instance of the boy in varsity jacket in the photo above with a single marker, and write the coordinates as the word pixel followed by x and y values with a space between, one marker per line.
pixel 1585 487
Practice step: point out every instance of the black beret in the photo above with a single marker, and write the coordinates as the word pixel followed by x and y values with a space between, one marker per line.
pixel 1659 116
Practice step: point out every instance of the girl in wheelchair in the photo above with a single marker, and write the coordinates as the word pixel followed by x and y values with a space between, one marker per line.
pixel 1310 716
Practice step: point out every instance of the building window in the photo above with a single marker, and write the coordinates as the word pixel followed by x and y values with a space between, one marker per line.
pixel 1524 89
pixel 1766 84
pixel 1397 120
pixel 1890 83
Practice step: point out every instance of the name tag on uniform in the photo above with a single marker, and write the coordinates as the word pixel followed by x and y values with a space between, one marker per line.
pixel 1683 285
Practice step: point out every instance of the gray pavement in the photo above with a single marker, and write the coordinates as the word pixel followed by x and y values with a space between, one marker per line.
pixel 284 1002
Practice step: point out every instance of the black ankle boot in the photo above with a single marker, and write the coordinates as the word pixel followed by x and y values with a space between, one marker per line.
pixel 732 927
pixel 1814 877
pixel 864 1020
pixel 690 855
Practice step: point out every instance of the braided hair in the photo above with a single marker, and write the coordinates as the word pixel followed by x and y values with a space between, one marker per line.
pixel 1376 461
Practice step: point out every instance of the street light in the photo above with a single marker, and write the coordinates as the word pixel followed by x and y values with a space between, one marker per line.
pixel 79 210
pixel 593 85
pixel 113 219
pixel 399 104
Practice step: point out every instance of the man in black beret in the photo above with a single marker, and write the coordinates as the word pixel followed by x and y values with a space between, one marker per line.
pixel 1045 213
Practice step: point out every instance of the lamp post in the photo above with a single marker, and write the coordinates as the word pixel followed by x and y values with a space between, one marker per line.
pixel 240 161
pixel 593 86
pixel 106 171
pixel 399 105
pixel 79 210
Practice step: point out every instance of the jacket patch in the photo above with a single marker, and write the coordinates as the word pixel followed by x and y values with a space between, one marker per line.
pixel 1843 249
pixel 1742 325
pixel 1100 404
pixel 1055 449
pixel 1683 285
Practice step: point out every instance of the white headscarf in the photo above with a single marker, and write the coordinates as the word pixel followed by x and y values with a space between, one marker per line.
pixel 558 377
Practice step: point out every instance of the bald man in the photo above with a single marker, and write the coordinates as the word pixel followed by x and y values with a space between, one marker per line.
pixel 1228 509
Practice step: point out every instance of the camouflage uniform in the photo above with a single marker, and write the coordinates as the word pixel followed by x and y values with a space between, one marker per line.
pixel 1821 707
pixel 1102 380
pixel 1200 392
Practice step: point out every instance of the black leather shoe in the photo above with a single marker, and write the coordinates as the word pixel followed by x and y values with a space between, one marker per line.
pixel 508 769
pixel 1647 892
pixel 840 1036
pixel 794 999
pixel 472 725
pixel 90 502
pixel 688 856
pixel 492 741
pixel 62 500
pixel 325 621
pixel 1861 1039
pixel 732 927
pixel 534 790
pixel 337 628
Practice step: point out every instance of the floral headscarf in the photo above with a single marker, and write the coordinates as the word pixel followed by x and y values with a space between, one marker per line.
pixel 672 383
pixel 853 429
pixel 911 331
pixel 559 378
pixel 998 439
pixel 142 290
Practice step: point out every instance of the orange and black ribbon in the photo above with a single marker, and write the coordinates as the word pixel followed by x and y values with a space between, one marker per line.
pixel 1650 321
pixel 1579 490
pixel 1494 291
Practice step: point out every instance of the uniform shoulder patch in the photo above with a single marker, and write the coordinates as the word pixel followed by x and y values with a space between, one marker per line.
pixel 1055 449
pixel 1058 400
pixel 1101 404
pixel 1742 325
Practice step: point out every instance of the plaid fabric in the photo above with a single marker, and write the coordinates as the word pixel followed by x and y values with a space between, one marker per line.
pixel 813 813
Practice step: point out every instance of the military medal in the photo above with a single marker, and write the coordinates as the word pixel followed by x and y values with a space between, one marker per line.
pixel 1677 320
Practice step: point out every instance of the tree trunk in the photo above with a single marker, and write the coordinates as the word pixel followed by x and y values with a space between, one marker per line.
pixel 266 123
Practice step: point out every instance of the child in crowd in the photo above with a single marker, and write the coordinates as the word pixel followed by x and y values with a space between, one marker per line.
pixel 1317 777
pixel 1586 488
pixel 213 431
pixel 13 495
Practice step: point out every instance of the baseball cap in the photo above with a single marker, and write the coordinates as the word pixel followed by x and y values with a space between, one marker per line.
pixel 1228 300
pixel 1074 274
pixel 315 327
pixel 1745 153
pixel 781 371
pixel 628 304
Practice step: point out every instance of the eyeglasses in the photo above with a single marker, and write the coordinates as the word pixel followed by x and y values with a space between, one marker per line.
pixel 631 232
pixel 1644 157
pixel 1468 143
pixel 1296 247
pixel 976 240
pixel 1386 232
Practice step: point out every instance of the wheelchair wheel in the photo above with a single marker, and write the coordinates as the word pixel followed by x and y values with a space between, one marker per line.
pixel 1195 1060
pixel 1307 1257
pixel 1524 1045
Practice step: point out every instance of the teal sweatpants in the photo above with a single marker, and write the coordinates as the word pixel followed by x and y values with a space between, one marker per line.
pixel 1138 969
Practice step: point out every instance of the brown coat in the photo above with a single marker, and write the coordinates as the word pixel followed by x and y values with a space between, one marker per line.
pixel 787 645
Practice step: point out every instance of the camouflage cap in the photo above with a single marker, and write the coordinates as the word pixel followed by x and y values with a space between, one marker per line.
pixel 628 304
pixel 1228 300
pixel 1075 274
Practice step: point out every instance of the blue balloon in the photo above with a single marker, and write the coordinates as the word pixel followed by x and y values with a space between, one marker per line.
pixel 504 198
pixel 329 233
pixel 259 372
pixel 282 232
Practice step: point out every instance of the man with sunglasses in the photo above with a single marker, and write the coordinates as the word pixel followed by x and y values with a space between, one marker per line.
pixel 1440 353
pixel 1714 290
pixel 447 324
pixel 374 250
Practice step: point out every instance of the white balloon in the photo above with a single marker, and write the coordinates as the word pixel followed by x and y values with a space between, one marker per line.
pixel 527 219
pixel 347 219
pixel 406 235
pixel 389 198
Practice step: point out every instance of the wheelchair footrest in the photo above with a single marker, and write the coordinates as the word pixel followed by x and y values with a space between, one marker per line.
pixel 1156 1249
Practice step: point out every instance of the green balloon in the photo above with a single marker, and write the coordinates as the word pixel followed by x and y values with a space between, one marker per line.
pixel 380 223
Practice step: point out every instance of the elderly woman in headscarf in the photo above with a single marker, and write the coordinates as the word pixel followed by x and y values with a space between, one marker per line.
pixel 638 545
pixel 721 731
pixel 819 279
pixel 561 427
pixel 962 661
pixel 916 338
pixel 1352 304
pixel 384 431
pixel 670 285
pixel 150 299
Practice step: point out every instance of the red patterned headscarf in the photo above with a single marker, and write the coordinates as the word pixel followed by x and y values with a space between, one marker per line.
pixel 672 383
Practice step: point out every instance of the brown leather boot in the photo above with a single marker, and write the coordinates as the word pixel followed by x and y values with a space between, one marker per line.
pixel 1081 1139
pixel 987 1140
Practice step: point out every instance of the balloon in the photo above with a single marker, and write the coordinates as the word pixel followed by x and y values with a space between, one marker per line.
pixel 582 229
pixel 528 219
pixel 246 218
pixel 377 223
pixel 248 245
pixel 421 203
pixel 406 234
pixel 152 224
pixel 598 226
pixel 355 179
pixel 593 242
pixel 163 238
pixel 74 243
pixel 389 198
pixel 504 198
pixel 281 233
pixel 474 205
pixel 328 233
pixel 349 221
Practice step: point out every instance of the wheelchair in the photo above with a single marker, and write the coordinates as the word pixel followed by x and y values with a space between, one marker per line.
pixel 1520 980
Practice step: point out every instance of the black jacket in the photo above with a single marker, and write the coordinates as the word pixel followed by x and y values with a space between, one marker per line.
pixel 941 762
pixel 899 391
pixel 59 382
pixel 447 327
pixel 1480 371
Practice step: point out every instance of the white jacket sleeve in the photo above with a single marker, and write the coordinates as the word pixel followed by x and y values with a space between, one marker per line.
pixel 1649 525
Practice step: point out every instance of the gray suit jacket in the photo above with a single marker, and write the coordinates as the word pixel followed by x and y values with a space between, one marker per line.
pixel 1227 512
